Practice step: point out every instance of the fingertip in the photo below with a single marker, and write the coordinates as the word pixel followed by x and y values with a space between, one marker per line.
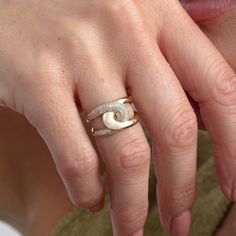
pixel 89 199
pixel 180 225
pixel 96 208
pixel 138 233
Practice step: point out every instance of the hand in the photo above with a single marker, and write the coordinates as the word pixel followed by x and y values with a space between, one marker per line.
pixel 60 57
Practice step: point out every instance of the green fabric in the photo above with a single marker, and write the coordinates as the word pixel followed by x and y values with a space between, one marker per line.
pixel 208 211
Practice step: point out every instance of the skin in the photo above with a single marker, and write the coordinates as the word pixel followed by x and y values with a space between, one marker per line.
pixel 52 69
pixel 222 32
pixel 205 10
pixel 25 204
pixel 229 226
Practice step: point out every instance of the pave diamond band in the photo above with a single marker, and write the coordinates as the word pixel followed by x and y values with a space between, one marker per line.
pixel 115 116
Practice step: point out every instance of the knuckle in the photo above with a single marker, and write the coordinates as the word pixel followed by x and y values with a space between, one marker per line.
pixel 181 131
pixel 134 155
pixel 78 166
pixel 113 9
pixel 223 86
pixel 131 17
pixel 131 218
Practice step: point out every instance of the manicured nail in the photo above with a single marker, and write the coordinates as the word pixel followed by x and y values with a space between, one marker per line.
pixel 138 233
pixel 180 225
pixel 96 208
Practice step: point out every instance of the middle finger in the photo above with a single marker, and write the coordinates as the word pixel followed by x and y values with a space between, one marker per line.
pixel 126 155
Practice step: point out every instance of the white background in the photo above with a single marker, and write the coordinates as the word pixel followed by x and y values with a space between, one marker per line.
pixel 6 230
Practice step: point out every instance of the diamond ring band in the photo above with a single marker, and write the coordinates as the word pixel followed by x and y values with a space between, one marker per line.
pixel 115 116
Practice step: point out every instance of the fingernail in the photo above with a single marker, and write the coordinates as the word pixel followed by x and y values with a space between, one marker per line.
pixel 138 233
pixel 96 208
pixel 180 225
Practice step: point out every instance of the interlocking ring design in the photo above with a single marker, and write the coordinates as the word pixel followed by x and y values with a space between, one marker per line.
pixel 115 116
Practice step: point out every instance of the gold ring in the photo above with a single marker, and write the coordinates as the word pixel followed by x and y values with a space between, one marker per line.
pixel 115 116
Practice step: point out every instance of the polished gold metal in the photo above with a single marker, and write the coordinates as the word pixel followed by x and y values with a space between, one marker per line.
pixel 115 116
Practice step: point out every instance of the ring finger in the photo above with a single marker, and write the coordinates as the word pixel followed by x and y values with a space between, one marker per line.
pixel 126 155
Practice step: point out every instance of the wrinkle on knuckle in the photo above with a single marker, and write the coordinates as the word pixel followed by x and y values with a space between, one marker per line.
pixel 132 217
pixel 134 155
pixel 183 196
pixel 181 131
pixel 223 86
pixel 78 166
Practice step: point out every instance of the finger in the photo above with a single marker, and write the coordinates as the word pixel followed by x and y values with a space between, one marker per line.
pixel 57 120
pixel 126 155
pixel 172 122
pixel 211 82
